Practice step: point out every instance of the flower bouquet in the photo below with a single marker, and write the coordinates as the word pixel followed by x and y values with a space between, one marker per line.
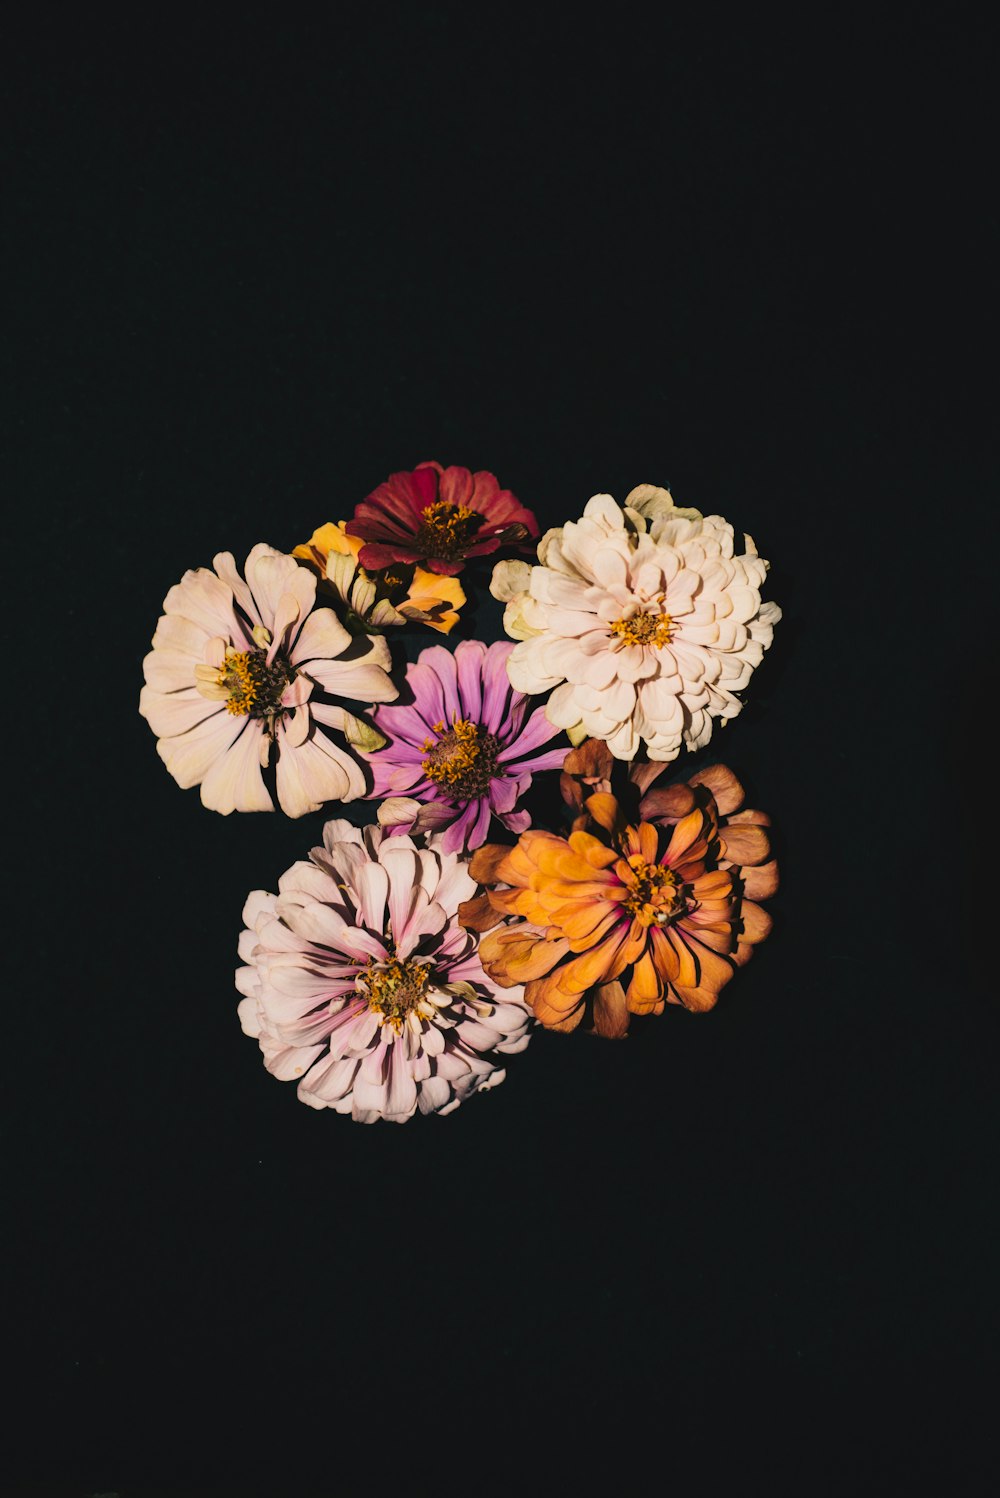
pixel 401 962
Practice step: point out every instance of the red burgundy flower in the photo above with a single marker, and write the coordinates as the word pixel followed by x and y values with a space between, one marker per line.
pixel 438 518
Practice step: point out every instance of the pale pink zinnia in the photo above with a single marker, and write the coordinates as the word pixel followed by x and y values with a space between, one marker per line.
pixel 361 985
pixel 240 666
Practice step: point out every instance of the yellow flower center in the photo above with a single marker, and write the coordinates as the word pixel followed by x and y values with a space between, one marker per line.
pixel 445 528
pixel 463 761
pixel 655 892
pixel 254 688
pixel 644 629
pixel 396 989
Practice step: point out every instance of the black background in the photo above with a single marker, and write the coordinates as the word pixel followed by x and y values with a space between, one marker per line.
pixel 256 268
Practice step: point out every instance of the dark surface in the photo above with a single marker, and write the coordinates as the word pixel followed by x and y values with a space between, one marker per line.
pixel 255 271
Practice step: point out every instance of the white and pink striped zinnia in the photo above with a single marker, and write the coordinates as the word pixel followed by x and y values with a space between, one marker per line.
pixel 360 984
pixel 240 667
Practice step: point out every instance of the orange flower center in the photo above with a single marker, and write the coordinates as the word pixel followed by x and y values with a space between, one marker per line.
pixel 445 529
pixel 464 759
pixel 655 893
pixel 255 688
pixel 395 989
pixel 644 629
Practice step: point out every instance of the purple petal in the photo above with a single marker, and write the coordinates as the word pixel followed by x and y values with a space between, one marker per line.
pixel 409 724
pixel 453 840
pixel 515 717
pixel 428 689
pixel 470 660
pixel 390 779
pixel 516 821
pixel 398 752
pixel 504 792
pixel 551 760
pixel 496 686
pixel 441 663
pixel 537 731
pixel 481 826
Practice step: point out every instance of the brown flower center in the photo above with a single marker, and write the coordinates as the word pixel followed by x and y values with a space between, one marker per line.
pixel 394 989
pixel 655 892
pixel 254 688
pixel 644 629
pixel 464 759
pixel 445 530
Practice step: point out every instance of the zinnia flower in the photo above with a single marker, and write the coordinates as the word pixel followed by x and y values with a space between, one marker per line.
pixel 463 747
pixel 361 985
pixel 238 666
pixel 440 517
pixel 377 600
pixel 626 915
pixel 642 622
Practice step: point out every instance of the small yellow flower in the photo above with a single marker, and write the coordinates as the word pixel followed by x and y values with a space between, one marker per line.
pixel 399 595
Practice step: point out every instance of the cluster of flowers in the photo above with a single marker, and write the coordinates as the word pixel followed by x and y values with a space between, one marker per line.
pixel 396 967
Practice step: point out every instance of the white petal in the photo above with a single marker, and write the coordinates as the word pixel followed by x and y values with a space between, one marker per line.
pixel 234 782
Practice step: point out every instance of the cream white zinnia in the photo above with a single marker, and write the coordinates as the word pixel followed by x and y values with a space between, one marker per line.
pixel 239 668
pixel 642 621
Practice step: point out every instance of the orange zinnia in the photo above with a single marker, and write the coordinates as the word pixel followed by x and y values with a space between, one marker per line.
pixel 625 914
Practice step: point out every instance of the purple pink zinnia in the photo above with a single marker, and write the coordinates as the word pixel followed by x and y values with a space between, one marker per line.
pixel 466 747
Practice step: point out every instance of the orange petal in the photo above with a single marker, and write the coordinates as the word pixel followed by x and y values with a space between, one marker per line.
pixel 649 841
pixel 585 924
pixel 485 862
pixel 664 955
pixel 744 843
pixel 636 942
pixel 714 971
pixel 604 809
pixel 760 882
pixel 593 759
pixel 478 914
pixel 645 989
pixel 524 959
pixel 715 885
pixel 549 1002
pixel 689 830
pixel 752 818
pixel 721 781
pixel 698 1000
pixel 563 1026
pixel 610 1011
pixel 512 901
pixel 756 922
pixel 672 803
pixel 592 849
pixel 571 791
pixel 720 939
pixel 601 964
pixel 687 968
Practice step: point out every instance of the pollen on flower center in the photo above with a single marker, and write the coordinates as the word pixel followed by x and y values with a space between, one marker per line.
pixel 463 760
pixel 396 989
pixel 644 629
pixel 445 528
pixel 655 893
pixel 253 687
